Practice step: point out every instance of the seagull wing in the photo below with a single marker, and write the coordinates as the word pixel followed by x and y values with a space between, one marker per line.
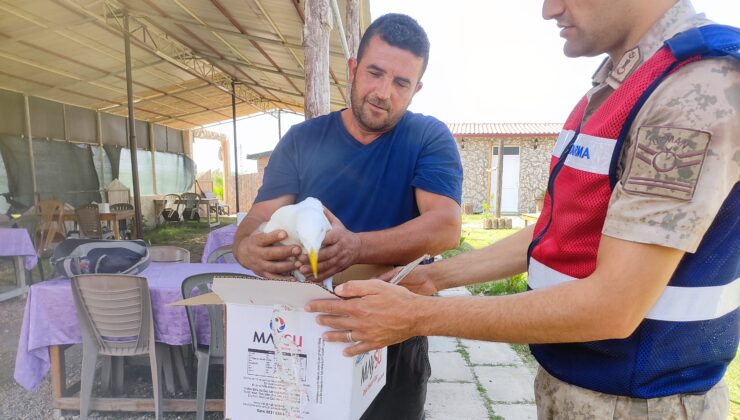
pixel 306 225
pixel 284 218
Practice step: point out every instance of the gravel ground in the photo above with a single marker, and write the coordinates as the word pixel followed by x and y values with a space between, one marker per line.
pixel 18 403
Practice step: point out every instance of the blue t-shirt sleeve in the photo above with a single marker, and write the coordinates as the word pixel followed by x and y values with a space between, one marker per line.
pixel 281 174
pixel 439 169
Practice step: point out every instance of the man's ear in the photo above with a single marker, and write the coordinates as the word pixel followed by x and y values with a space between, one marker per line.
pixel 418 87
pixel 352 65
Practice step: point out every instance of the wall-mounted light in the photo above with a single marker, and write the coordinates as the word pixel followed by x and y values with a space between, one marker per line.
pixel 536 143
pixel 462 143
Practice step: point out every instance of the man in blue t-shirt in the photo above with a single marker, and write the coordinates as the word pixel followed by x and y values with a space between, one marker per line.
pixel 390 179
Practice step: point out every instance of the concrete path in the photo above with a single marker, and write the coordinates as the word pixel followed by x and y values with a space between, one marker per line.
pixel 474 380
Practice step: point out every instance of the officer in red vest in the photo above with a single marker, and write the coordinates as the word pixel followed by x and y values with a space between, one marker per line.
pixel 634 264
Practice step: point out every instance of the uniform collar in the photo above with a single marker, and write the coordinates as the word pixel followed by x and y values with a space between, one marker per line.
pixel 677 19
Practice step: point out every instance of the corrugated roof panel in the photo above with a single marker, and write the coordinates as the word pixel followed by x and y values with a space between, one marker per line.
pixel 503 129
pixel 69 52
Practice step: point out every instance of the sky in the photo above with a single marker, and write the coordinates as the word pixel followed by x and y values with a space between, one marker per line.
pixel 490 61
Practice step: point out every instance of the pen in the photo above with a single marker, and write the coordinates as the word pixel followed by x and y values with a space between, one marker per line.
pixel 407 269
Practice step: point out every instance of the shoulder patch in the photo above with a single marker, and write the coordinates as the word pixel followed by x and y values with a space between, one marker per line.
pixel 627 64
pixel 667 161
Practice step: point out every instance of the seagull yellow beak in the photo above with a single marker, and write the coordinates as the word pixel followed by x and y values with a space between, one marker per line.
pixel 313 258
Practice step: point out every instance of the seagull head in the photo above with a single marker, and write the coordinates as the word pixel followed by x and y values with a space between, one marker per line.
pixel 311 226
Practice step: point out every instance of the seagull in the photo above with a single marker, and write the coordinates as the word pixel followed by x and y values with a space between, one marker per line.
pixel 306 226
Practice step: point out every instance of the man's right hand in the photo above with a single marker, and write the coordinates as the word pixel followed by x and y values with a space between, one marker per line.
pixel 259 253
pixel 417 281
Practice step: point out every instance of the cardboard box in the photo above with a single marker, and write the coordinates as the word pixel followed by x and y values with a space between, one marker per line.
pixel 277 364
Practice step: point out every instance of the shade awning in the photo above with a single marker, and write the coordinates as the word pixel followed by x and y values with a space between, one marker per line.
pixel 185 54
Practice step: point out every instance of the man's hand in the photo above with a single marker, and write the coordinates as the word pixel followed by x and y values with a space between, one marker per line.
pixel 417 281
pixel 340 249
pixel 380 314
pixel 259 253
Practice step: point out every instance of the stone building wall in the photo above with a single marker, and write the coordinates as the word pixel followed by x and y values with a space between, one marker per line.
pixel 534 167
pixel 534 161
pixel 475 155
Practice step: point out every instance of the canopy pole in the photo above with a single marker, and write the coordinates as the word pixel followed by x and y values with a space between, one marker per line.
pixel 29 139
pixel 352 15
pixel 280 128
pixel 132 129
pixel 340 27
pixel 236 151
pixel 316 33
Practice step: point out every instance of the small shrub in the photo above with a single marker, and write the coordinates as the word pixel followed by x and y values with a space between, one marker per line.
pixel 218 184
pixel 486 206
pixel 508 286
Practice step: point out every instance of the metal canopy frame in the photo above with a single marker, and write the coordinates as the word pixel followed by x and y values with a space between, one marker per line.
pixel 185 54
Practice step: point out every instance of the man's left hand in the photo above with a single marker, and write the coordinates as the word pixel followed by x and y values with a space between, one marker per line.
pixel 380 314
pixel 340 249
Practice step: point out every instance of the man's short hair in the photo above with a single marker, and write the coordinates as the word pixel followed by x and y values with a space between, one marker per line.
pixel 400 31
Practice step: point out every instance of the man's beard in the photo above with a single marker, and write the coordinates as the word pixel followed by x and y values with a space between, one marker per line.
pixel 365 121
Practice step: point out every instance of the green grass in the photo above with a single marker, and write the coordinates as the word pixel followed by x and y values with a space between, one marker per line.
pixel 508 286
pixel 732 378
pixel 191 236
pixel 473 236
pixel 480 238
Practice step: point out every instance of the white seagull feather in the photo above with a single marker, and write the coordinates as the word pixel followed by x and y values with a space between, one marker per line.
pixel 306 226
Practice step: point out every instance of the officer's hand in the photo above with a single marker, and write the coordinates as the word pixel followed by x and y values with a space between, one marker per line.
pixel 377 313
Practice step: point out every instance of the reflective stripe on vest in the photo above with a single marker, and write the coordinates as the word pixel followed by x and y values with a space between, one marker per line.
pixel 679 304
pixel 591 154
pixel 563 139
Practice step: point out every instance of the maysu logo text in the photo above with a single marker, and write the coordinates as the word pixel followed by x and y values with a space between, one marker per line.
pixel 277 325
pixel 369 367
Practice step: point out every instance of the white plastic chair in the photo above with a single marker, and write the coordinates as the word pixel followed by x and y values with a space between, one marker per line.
pixel 169 254
pixel 212 353
pixel 172 360
pixel 224 253
pixel 115 315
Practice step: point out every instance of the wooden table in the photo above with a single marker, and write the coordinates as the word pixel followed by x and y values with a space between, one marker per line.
pixel 17 244
pixel 113 217
pixel 50 326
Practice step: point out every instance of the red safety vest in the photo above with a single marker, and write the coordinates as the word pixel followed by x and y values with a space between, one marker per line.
pixel 691 333
pixel 582 175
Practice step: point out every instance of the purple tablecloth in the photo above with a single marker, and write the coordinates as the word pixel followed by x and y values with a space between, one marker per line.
pixel 218 238
pixel 50 317
pixel 17 243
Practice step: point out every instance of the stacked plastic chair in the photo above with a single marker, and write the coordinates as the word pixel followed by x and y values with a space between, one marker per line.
pixel 207 354
pixel 115 315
